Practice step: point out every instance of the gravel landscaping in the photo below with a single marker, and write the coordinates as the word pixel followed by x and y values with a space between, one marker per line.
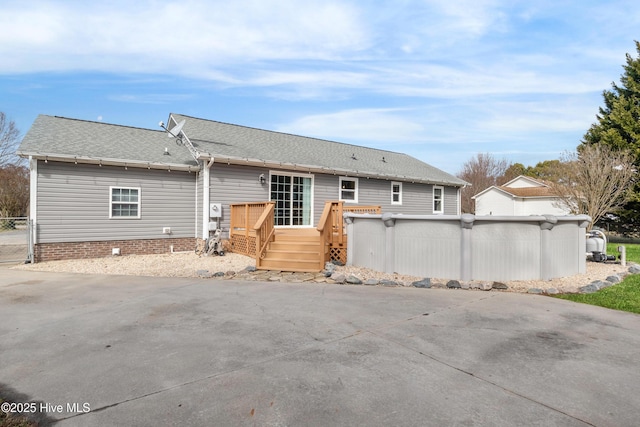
pixel 241 267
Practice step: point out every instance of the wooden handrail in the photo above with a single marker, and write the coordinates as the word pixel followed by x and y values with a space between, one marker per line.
pixel 331 224
pixel 325 215
pixel 363 209
pixel 265 230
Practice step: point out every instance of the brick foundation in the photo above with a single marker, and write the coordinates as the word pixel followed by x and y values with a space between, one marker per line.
pixel 99 249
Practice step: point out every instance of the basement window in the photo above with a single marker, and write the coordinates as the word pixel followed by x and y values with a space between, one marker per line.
pixel 124 202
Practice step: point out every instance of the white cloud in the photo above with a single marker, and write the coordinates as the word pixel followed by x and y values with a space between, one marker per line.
pixel 367 125
pixel 190 36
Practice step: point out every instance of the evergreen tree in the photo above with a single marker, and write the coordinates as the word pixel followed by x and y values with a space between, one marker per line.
pixel 618 126
pixel 618 122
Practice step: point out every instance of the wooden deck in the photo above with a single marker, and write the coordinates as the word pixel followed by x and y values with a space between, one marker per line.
pixel 303 249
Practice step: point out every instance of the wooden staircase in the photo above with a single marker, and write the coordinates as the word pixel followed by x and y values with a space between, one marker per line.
pixel 293 249
pixel 252 232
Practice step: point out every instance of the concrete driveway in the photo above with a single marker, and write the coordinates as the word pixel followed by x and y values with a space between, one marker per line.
pixel 114 350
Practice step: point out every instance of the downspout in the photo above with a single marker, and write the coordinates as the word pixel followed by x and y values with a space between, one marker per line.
pixel 33 206
pixel 205 197
pixel 195 210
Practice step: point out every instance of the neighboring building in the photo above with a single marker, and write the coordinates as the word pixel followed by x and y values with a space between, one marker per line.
pixel 520 196
pixel 97 186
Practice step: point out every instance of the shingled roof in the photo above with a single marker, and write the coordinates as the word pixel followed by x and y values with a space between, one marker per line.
pixel 237 144
pixel 59 138
pixel 66 139
pixel 529 191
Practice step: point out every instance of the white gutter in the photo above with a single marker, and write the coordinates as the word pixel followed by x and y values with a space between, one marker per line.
pixel 109 162
pixel 329 171
pixel 205 196
pixel 195 211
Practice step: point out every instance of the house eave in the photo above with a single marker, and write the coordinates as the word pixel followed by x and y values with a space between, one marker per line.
pixel 104 161
pixel 302 168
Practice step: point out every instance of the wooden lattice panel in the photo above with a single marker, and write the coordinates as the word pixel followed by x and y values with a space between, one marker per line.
pixel 338 254
pixel 245 245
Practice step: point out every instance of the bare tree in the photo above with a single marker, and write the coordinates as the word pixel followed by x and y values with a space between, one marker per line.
pixel 9 135
pixel 481 171
pixel 14 190
pixel 596 180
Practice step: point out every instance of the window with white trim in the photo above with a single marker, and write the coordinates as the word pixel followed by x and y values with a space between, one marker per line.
pixel 124 202
pixel 438 199
pixel 396 193
pixel 349 189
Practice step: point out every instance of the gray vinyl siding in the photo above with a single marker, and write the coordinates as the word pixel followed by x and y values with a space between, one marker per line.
pixel 231 184
pixel 73 203
pixel 239 184
pixel 417 199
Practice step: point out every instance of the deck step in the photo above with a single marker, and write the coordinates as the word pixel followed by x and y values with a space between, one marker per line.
pixel 293 249
pixel 294 255
pixel 294 246
pixel 293 238
pixel 289 265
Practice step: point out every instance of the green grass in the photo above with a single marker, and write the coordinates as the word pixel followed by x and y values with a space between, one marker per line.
pixel 632 250
pixel 624 296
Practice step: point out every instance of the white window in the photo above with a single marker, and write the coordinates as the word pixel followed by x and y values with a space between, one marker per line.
pixel 396 193
pixel 438 199
pixel 124 202
pixel 349 189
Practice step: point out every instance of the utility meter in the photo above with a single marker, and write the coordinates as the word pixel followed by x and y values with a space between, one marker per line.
pixel 215 210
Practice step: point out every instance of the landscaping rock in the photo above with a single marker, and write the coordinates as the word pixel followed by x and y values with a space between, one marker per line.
pixel 454 284
pixel 204 274
pixel 613 279
pixel 388 283
pixel 338 277
pixel 353 280
pixel 424 283
pixel 485 286
pixel 250 269
pixel 474 285
pixel 499 285
pixel 634 269
pixel 552 291
pixel 230 273
pixel 336 262
pixel 588 289
pixel 218 274
pixel 465 286
pixel 599 284
pixel 536 291
pixel 329 266
pixel 371 282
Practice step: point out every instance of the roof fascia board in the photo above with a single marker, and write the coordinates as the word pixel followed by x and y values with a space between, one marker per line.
pixel 493 187
pixel 109 162
pixel 329 171
pixel 528 178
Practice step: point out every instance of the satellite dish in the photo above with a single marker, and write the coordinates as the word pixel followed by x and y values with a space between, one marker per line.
pixel 175 131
